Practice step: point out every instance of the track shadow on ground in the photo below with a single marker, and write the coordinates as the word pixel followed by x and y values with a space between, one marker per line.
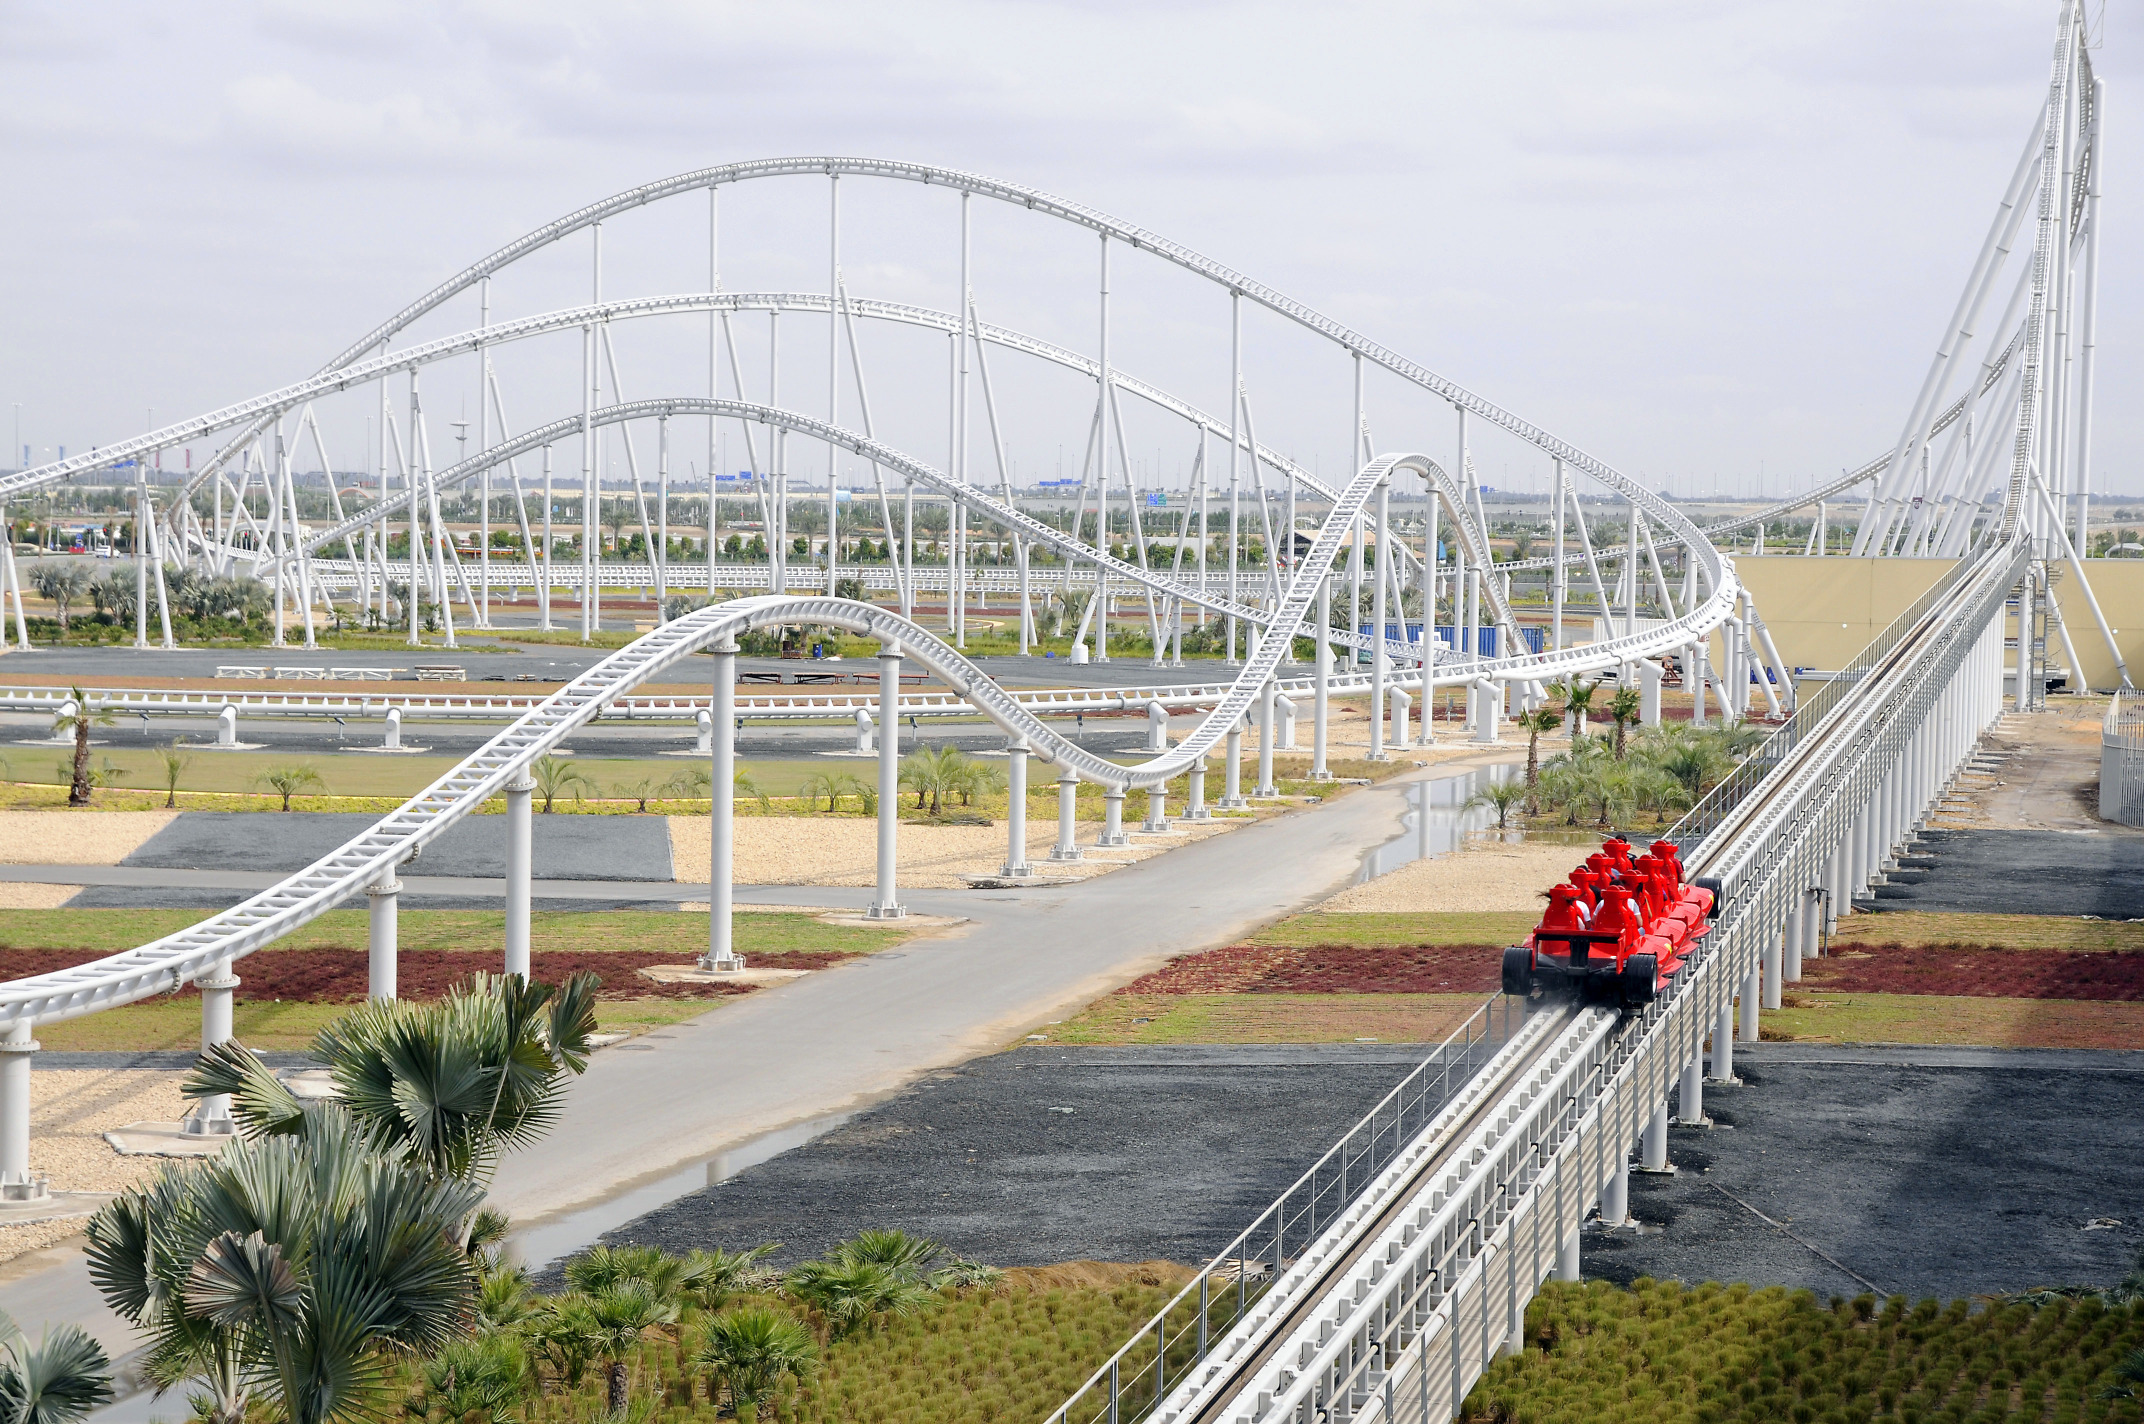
pixel 2020 873
pixel 1921 1171
pixel 566 847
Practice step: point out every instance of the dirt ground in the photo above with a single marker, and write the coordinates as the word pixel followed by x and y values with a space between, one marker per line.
pixel 15 896
pixel 2048 779
pixel 75 838
pixel 843 850
pixel 1482 877
pixel 70 1111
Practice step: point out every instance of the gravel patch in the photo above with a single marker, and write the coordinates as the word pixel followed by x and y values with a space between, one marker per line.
pixel 17 895
pixel 1483 877
pixel 2012 872
pixel 1927 1171
pixel 61 837
pixel 70 1111
pixel 1165 1154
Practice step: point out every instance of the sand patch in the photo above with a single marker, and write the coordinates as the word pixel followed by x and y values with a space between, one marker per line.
pixel 843 850
pixel 85 837
pixel 1483 877
pixel 70 1111
pixel 18 895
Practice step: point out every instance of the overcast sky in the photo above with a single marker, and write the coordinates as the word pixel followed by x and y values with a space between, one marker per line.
pixel 1699 240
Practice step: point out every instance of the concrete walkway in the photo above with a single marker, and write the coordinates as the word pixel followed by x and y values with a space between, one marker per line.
pixel 849 1036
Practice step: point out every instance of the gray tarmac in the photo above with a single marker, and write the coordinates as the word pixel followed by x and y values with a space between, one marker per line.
pixel 2014 872
pixel 566 847
pixel 1920 1171
pixel 1041 1155
pixel 1915 1171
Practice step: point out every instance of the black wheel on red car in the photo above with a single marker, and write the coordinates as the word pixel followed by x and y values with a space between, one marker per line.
pixel 1519 971
pixel 1636 980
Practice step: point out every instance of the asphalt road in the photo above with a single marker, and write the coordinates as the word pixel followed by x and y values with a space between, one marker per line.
pixel 1940 1172
pixel 841 1038
pixel 2012 872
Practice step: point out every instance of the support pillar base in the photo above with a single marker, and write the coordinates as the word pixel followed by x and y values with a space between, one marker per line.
pixel 891 912
pixel 1062 853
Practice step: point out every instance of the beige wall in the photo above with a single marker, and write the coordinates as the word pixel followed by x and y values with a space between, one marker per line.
pixel 1822 611
pixel 2119 586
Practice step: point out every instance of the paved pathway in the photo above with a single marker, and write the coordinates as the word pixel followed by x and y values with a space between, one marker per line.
pixel 848 1036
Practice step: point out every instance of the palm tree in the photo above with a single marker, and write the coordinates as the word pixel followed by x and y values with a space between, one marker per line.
pixel 57 1381
pixel 687 782
pixel 750 1352
pixel 1624 708
pixel 1503 795
pixel 972 778
pixel 448 1086
pixel 617 1320
pixel 1577 702
pixel 911 1256
pixel 932 772
pixel 288 781
pixel 478 1381
pixel 298 1262
pixel 712 1277
pixel 849 1295
pixel 742 784
pixel 1542 719
pixel 824 783
pixel 174 767
pixel 637 792
pixel 61 583
pixel 79 722
pixel 554 776
pixel 605 1268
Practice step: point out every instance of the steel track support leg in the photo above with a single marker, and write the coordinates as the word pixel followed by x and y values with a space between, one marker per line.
pixel 1690 1099
pixel 1113 817
pixel 1266 731
pixel 1195 793
pixel 1567 1256
pixel 1067 847
pixel 1723 1047
pixel 1653 1147
pixel 1749 1003
pixel 1232 773
pixel 16 1183
pixel 1320 705
pixel 722 810
pixel 211 1116
pixel 384 894
pixel 888 904
pixel 1016 866
pixel 1615 1197
pixel 520 870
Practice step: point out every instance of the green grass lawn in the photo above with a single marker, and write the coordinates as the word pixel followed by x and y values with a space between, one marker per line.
pixel 273 1024
pixel 1955 1019
pixel 1265 1018
pixel 1660 1353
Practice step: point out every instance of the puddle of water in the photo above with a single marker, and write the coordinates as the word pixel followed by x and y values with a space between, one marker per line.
pixel 539 1246
pixel 1436 821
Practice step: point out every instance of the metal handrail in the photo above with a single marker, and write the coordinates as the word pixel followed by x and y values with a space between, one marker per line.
pixel 1180 1334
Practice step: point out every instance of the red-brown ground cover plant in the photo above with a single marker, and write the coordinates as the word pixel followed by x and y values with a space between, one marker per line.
pixel 1329 969
pixel 1978 971
pixel 336 976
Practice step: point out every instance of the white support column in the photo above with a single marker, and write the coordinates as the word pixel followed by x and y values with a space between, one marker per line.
pixel 1232 771
pixel 704 740
pixel 1016 811
pixel 888 905
pixel 384 895
pixel 211 1116
pixel 1653 1147
pixel 722 809
pixel 1397 702
pixel 1690 1100
pixel 1722 1067
pixel 1567 1256
pixel 1649 675
pixel 16 1183
pixel 1067 847
pixel 1321 699
pixel 520 870
pixel 1157 809
pixel 1284 713
pixel 1113 818
pixel 1266 734
pixel 1615 1197
pixel 1749 1003
pixel 1195 793
pixel 390 739
pixel 1782 955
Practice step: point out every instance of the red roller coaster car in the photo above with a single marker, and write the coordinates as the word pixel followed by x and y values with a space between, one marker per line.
pixel 1617 930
